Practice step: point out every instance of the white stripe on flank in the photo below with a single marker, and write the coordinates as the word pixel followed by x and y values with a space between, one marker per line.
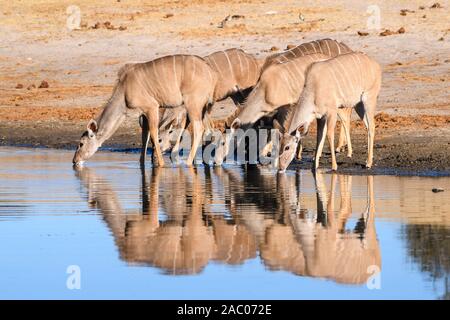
pixel 336 82
pixel 301 49
pixel 361 79
pixel 285 78
pixel 347 78
pixel 218 69
pixel 240 64
pixel 183 65
pixel 209 73
pixel 300 77
pixel 157 77
pixel 247 71
pixel 229 63
pixel 314 43
pixel 299 71
pixel 289 71
pixel 255 69
pixel 311 58
pixel 339 48
pixel 322 47
pixel 370 65
pixel 329 51
pixel 175 71
pixel 193 71
pixel 355 72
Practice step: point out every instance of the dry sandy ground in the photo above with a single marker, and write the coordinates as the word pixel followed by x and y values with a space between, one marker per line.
pixel 413 131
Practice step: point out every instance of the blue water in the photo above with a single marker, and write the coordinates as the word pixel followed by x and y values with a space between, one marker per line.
pixel 157 234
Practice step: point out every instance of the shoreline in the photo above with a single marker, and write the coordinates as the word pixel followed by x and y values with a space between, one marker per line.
pixel 346 166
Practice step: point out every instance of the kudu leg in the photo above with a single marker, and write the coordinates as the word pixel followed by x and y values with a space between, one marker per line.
pixel 331 125
pixel 153 126
pixel 197 127
pixel 366 113
pixel 176 146
pixel 299 150
pixel 194 108
pixel 344 134
pixel 321 133
pixel 143 122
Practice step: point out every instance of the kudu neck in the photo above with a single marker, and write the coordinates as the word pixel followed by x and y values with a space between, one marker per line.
pixel 112 116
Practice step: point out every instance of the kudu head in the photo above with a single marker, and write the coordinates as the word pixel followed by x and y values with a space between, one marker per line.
pixel 88 144
pixel 172 122
pixel 288 148
pixel 167 137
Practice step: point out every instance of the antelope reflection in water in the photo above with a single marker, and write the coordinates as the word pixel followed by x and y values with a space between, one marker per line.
pixel 231 216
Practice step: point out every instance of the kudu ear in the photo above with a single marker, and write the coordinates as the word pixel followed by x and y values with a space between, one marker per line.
pixel 236 124
pixel 277 125
pixel 92 126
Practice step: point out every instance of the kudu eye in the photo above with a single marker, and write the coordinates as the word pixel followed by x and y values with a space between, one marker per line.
pixel 286 148
pixel 81 144
pixel 170 131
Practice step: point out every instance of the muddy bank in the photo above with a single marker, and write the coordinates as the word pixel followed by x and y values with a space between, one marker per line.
pixel 411 151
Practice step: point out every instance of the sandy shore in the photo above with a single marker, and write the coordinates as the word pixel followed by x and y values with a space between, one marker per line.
pixel 413 131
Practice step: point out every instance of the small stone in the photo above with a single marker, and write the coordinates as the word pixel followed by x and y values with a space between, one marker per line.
pixel 362 33
pixel 43 85
pixel 274 48
pixel 168 15
pixel 122 28
pixel 436 190
pixel 290 46
pixel 436 5
pixel 386 32
pixel 401 30
pixel 31 86
pixel 19 86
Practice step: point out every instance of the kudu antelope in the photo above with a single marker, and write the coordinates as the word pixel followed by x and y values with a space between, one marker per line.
pixel 328 47
pixel 187 239
pixel 237 73
pixel 280 85
pixel 169 81
pixel 320 245
pixel 302 233
pixel 351 80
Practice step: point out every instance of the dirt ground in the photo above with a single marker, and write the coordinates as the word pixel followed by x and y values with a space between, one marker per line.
pixel 53 80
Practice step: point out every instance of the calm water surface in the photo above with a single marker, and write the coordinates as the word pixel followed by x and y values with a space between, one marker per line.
pixel 225 232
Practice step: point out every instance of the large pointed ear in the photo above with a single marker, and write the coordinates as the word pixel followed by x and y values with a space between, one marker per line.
pixel 278 126
pixel 298 134
pixel 236 124
pixel 92 126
